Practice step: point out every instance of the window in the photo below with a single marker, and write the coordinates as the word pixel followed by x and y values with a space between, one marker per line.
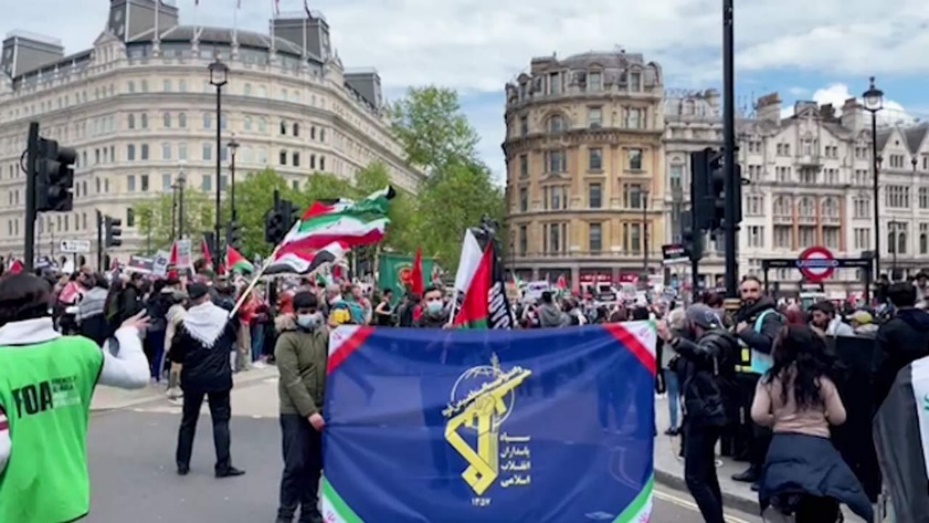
pixel 523 239
pixel 283 128
pixel 166 182
pixel 634 118
pixel 207 151
pixel 167 86
pixel 755 236
pixel 144 152
pixel 207 121
pixel 594 81
pixel 130 152
pixel 206 183
pixel 282 158
pixel 807 235
pixel 595 238
pixel 322 163
pixel 144 121
pixel 635 82
pixel 166 120
pixel 632 237
pixel 924 238
pixel 165 151
pixel 523 166
pixel 595 117
pixel 861 208
pixel 296 129
pixel 676 176
pixel 182 151
pixel 556 124
pixel 523 199
pixel 633 196
pixel 262 125
pixel 144 182
pixel 556 198
pixel 182 86
pixel 523 125
pixel 595 159
pixel 924 197
pixel 182 120
pixel 248 123
pixel 555 238
pixel 897 196
pixel 130 217
pixel 831 237
pixel 130 183
pixel 595 196
pixel 247 89
pixel 554 83
pixel 295 159
pixel 556 162
pixel 862 239
pixel 783 237
pixel 635 159
pixel 754 205
pixel 131 121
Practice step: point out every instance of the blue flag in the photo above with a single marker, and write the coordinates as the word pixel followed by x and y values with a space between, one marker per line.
pixel 542 425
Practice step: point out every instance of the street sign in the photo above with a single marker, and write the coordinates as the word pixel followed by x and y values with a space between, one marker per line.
pixel 817 264
pixel 74 246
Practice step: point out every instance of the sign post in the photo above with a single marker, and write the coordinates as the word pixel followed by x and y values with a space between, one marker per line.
pixel 817 264
pixel 74 246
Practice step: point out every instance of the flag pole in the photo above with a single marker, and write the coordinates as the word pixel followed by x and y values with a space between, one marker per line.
pixel 251 285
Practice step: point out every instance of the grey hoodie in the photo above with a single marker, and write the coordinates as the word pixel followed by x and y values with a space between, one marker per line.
pixel 550 315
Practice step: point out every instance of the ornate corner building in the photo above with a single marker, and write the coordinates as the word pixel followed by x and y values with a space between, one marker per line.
pixel 141 112
pixel 585 184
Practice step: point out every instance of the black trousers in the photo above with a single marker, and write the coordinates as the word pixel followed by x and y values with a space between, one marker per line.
pixel 700 470
pixel 817 510
pixel 302 448
pixel 220 412
pixel 758 437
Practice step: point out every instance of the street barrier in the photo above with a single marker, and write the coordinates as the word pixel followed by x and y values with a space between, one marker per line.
pixel 542 425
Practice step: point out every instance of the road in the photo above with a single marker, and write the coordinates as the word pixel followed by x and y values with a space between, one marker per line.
pixel 132 467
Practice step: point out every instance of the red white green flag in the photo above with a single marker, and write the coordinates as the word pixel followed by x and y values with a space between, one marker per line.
pixel 346 222
pixel 298 261
pixel 480 290
pixel 235 262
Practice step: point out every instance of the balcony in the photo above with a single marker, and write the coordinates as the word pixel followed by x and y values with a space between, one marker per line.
pixel 813 160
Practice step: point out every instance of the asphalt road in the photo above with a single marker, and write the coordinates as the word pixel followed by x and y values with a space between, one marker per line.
pixel 133 475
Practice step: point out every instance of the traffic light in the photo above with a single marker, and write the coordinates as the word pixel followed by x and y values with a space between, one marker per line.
pixel 290 213
pixel 113 231
pixel 275 228
pixel 718 192
pixel 54 176
pixel 691 238
pixel 701 195
pixel 233 235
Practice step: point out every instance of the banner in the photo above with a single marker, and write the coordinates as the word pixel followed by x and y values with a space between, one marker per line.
pixel 458 426
pixel 394 272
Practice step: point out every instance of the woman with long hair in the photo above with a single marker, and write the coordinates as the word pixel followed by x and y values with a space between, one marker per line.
pixel 47 381
pixel 804 475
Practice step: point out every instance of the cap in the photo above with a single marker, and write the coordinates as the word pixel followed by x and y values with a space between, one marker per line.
pixel 197 290
pixel 703 316
pixel 305 300
pixel 861 317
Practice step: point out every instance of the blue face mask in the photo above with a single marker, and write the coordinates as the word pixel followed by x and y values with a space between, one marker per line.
pixel 308 321
pixel 434 308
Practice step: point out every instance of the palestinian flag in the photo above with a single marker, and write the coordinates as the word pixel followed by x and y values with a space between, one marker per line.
pixel 481 300
pixel 299 261
pixel 235 262
pixel 349 222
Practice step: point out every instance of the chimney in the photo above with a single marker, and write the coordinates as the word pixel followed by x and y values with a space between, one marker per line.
pixel 768 108
pixel 827 112
pixel 852 115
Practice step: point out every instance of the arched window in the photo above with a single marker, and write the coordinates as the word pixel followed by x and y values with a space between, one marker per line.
pixel 144 121
pixel 901 243
pixel 131 121
pixel 557 124
pixel 891 242
pixel 923 244
pixel 806 206
pixel 166 120
pixel 829 208
pixel 283 127
pixel 781 206
pixel 262 125
pixel 296 129
pixel 182 120
pixel 248 123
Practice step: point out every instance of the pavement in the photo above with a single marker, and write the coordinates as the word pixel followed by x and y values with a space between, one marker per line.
pixel 131 448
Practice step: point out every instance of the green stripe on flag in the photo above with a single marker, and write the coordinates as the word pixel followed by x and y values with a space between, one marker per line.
pixel 634 512
pixel 342 509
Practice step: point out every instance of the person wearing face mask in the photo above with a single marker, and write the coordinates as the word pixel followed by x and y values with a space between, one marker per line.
pixel 301 353
pixel 434 315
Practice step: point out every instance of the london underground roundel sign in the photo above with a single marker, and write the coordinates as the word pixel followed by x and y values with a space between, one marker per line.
pixel 817 264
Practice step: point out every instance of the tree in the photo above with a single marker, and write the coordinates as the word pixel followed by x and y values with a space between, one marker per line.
pixel 156 219
pixel 433 130
pixel 254 197
pixel 452 200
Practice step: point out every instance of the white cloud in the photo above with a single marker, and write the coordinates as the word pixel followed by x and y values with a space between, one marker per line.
pixel 836 94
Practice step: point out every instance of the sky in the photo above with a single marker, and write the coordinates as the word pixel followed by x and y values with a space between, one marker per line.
pixel 824 50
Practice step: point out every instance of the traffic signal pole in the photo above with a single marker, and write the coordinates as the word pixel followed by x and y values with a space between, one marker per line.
pixel 32 157
pixel 731 227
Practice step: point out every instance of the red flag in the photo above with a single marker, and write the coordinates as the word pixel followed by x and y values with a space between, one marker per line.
pixel 417 286
pixel 475 309
pixel 172 258
pixel 207 255
pixel 561 284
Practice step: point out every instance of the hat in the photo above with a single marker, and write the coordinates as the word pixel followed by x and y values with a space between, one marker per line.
pixel 703 316
pixel 861 317
pixel 197 290
pixel 305 300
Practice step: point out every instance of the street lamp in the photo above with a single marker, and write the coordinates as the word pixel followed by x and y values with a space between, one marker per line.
pixel 896 228
pixel 643 196
pixel 233 146
pixel 181 180
pixel 874 102
pixel 219 76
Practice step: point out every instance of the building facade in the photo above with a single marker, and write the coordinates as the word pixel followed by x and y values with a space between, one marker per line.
pixel 585 167
pixel 903 159
pixel 140 110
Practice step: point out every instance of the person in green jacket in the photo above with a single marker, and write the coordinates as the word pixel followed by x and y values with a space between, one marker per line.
pixel 301 353
pixel 46 384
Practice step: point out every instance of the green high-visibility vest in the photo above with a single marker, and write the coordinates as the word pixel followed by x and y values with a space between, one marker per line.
pixel 45 390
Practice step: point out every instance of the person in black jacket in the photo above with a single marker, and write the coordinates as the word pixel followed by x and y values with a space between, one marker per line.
pixel 901 340
pixel 708 369
pixel 202 344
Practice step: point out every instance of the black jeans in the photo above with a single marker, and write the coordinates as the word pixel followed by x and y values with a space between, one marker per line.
pixel 700 470
pixel 220 412
pixel 817 510
pixel 302 447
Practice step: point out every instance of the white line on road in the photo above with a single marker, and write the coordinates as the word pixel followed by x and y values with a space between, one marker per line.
pixel 690 505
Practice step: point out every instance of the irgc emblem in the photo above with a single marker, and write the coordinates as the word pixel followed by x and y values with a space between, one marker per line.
pixel 482 399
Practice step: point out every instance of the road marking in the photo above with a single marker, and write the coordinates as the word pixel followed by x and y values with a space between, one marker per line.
pixel 690 505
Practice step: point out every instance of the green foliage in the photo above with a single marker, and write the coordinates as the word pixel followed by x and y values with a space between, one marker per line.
pixel 433 130
pixel 153 218
pixel 254 197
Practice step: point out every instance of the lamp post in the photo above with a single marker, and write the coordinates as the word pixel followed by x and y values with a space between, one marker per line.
pixel 874 102
pixel 893 246
pixel 181 180
pixel 233 146
pixel 643 196
pixel 219 76
pixel 174 187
